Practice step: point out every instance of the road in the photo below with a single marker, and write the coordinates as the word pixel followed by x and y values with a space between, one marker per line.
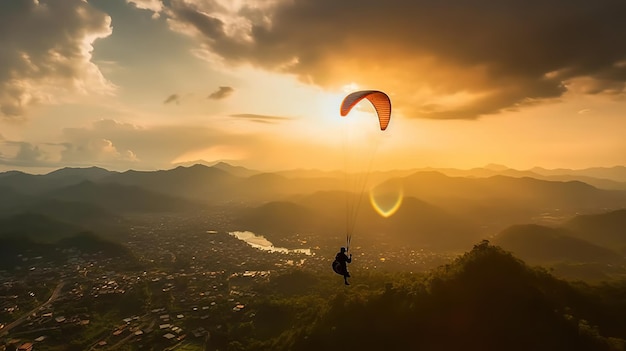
pixel 17 322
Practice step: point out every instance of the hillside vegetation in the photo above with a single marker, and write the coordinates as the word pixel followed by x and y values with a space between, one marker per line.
pixel 485 300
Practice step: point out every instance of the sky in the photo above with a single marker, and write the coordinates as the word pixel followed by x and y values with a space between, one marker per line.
pixel 152 84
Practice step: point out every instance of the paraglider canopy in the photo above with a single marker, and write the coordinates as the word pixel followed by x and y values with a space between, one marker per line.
pixel 380 100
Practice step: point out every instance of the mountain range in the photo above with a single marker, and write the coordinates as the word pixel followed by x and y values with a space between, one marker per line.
pixel 440 209
pixel 590 247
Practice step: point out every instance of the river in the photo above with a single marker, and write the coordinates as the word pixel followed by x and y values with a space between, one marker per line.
pixel 260 242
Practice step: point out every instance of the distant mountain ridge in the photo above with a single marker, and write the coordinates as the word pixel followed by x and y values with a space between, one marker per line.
pixel 219 184
pixel 37 227
pixel 590 247
pixel 88 173
pixel 203 177
pixel 119 198
pixel 447 211
pixel 31 234
pixel 83 214
pixel 524 189
pixel 607 229
pixel 542 244
pixel 36 184
pixel 617 173
pixel 10 197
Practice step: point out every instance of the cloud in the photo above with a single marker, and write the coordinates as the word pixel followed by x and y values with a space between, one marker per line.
pixel 27 155
pixel 111 143
pixel 120 146
pixel 221 93
pixel 436 60
pixel 172 98
pixel 79 147
pixel 96 151
pixel 158 147
pixel 260 118
pixel 46 52
pixel 101 144
pixel 155 6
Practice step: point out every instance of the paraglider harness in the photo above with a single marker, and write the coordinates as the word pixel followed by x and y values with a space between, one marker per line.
pixel 339 264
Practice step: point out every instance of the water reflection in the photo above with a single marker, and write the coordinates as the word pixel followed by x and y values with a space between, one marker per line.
pixel 259 242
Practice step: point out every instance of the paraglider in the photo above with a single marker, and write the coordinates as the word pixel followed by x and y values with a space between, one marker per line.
pixel 382 105
pixel 340 264
pixel 380 100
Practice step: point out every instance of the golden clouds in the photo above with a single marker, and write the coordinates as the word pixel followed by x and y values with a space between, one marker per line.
pixel 46 48
pixel 440 60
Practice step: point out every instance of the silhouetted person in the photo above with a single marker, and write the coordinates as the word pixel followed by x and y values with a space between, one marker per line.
pixel 340 264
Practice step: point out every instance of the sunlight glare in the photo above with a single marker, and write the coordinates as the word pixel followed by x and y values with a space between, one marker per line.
pixel 350 87
pixel 211 154
pixel 386 198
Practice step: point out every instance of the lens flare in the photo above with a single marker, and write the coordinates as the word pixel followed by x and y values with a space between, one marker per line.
pixel 386 198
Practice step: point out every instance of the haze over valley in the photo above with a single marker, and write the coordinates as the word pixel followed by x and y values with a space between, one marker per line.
pixel 105 233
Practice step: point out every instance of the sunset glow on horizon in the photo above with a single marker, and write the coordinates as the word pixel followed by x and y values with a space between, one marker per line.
pixel 150 84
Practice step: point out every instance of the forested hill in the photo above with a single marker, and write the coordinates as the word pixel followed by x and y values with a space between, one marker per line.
pixel 485 300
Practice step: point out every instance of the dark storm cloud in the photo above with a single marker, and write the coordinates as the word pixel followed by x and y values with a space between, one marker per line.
pixel 438 59
pixel 45 46
pixel 221 93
